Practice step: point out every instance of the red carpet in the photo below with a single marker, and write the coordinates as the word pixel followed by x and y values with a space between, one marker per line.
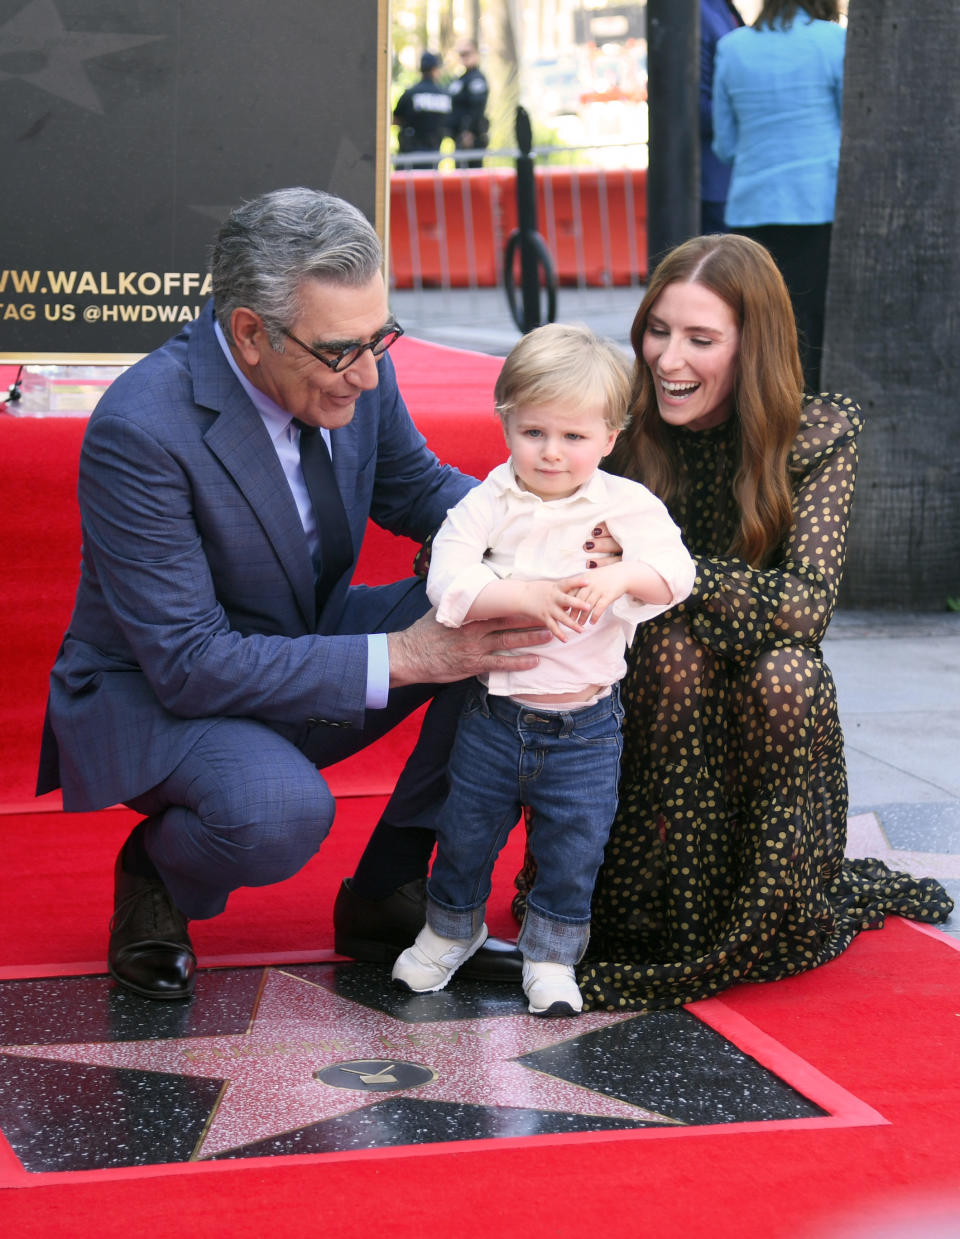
pixel 881 1024
pixel 58 890
pixel 449 393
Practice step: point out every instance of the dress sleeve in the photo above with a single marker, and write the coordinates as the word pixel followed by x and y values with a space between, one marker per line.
pixel 735 609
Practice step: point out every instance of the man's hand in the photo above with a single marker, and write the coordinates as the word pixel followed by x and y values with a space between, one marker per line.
pixel 430 653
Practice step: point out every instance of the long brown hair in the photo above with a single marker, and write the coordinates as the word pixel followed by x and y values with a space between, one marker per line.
pixel 786 10
pixel 768 387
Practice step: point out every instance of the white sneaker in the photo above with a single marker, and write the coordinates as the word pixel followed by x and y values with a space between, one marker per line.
pixel 551 989
pixel 430 963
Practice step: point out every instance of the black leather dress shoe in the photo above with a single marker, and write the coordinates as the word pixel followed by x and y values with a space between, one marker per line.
pixel 377 930
pixel 150 951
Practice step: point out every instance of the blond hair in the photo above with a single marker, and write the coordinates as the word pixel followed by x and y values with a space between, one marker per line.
pixel 564 364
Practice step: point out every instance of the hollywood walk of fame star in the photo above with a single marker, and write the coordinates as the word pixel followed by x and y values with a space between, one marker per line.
pixel 294 1064
pixel 866 836
pixel 36 47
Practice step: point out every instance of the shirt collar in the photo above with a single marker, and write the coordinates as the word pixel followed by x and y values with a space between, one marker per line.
pixel 275 418
pixel 594 489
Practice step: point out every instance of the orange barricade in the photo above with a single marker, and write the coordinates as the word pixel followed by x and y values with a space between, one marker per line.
pixel 449 228
pixel 594 222
pixel 446 228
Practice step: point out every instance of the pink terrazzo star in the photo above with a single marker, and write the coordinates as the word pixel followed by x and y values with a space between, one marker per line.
pixel 300 1030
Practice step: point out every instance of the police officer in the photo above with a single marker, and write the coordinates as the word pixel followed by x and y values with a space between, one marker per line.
pixel 469 93
pixel 424 113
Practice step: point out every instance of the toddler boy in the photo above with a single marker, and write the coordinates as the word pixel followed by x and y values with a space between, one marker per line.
pixel 547 738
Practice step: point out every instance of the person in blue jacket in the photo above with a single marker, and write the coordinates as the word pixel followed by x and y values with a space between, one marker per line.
pixel 777 107
pixel 717 18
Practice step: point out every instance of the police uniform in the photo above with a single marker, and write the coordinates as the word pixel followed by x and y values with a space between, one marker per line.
pixel 469 94
pixel 424 114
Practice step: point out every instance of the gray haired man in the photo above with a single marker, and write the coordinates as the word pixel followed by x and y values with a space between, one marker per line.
pixel 218 657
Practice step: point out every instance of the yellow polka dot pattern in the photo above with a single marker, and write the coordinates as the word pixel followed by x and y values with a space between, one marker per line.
pixel 725 862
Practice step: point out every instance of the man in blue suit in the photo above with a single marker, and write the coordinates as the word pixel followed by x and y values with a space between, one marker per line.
pixel 214 660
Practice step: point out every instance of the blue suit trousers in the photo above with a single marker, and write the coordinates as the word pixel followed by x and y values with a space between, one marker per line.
pixel 248 805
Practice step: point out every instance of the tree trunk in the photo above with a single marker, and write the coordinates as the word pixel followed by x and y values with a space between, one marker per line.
pixel 892 338
pixel 673 100
pixel 502 70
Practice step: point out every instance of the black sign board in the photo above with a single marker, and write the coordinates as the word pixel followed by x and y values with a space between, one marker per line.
pixel 130 128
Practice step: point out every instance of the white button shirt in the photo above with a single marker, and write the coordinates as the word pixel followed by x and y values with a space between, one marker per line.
pixel 500 531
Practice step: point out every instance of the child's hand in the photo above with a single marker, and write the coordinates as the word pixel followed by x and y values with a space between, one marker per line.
pixel 601 587
pixel 555 604
pixel 568 605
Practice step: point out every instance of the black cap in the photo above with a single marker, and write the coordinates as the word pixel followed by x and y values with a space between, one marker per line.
pixel 429 61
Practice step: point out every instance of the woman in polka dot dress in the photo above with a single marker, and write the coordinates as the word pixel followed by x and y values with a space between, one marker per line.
pixel 725 862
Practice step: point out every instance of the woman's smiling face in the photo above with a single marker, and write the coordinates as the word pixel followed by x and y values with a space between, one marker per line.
pixel 691 344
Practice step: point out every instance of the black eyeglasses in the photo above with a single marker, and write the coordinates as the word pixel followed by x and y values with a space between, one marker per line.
pixel 342 356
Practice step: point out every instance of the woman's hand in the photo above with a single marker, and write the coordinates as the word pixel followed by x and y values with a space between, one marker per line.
pixel 601 547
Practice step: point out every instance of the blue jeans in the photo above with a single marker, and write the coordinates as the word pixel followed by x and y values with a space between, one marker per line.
pixel 564 764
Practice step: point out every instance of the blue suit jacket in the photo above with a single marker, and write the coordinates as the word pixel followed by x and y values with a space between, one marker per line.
pixel 196 596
